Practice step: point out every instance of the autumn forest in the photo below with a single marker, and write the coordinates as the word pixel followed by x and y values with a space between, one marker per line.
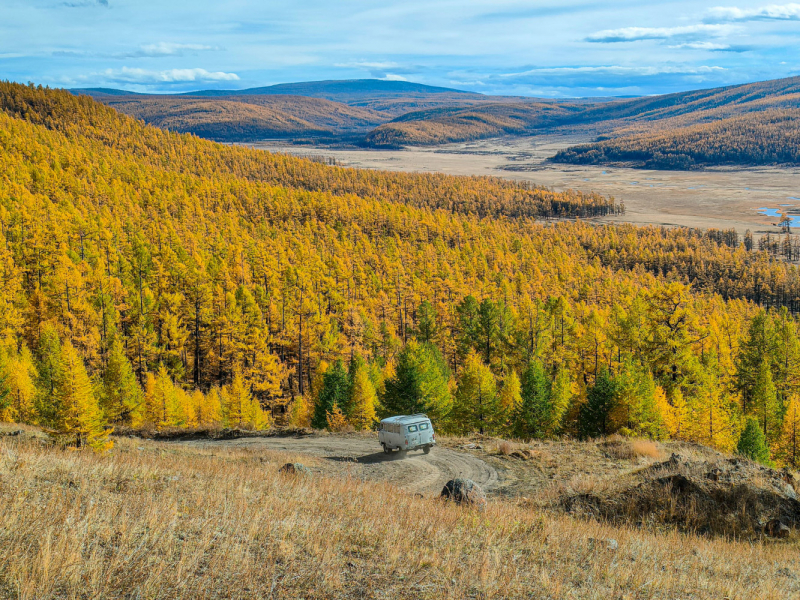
pixel 156 280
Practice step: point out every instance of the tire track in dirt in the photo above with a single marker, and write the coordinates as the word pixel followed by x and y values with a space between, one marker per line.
pixel 415 472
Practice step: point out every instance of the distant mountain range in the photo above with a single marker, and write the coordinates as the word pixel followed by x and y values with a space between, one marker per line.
pixel 393 114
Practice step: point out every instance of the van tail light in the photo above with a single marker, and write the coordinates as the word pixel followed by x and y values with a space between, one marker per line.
pixel 406 442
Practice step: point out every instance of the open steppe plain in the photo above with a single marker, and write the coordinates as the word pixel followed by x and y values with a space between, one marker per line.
pixel 724 197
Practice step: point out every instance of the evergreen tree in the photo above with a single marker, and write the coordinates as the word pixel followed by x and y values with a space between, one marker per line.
pixel 419 385
pixel 753 443
pixel 78 417
pixel 757 348
pixel 335 392
pixel 122 399
pixel 535 416
pixel 764 402
pixel 476 406
pixel 601 399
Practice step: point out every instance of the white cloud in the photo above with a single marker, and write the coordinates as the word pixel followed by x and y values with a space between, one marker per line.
pixel 170 49
pixel 635 34
pixel 772 12
pixel 703 46
pixel 618 70
pixel 368 65
pixel 144 76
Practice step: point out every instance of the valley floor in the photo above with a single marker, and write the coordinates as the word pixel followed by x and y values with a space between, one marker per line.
pixel 720 198
pixel 216 520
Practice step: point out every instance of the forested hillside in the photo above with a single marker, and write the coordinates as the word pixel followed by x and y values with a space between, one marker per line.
pixel 245 118
pixel 154 279
pixel 763 138
pixel 665 112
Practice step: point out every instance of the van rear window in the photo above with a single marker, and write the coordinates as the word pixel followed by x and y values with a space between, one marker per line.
pixel 412 428
pixel 423 426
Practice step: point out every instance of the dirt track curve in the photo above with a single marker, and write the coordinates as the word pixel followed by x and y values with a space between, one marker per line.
pixel 362 457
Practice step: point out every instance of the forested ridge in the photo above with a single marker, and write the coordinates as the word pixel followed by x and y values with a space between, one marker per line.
pixel 152 279
pixel 763 138
pixel 757 104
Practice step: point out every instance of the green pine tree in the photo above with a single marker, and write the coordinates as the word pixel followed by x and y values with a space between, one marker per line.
pixel 765 404
pixel 753 443
pixel 601 399
pixel 420 383
pixel 536 410
pixel 335 392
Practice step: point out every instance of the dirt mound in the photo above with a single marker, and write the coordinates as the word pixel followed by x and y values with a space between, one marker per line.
pixel 730 497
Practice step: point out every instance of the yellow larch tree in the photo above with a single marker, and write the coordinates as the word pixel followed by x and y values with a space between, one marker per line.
pixel 79 419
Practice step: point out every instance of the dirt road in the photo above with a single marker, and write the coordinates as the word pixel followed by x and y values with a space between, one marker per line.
pixel 362 457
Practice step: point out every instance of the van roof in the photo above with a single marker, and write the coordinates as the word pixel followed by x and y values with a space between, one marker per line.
pixel 403 419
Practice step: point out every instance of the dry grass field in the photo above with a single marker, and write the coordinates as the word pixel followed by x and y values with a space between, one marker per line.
pixel 164 520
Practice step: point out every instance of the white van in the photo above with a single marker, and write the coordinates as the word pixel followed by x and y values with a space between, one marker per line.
pixel 407 433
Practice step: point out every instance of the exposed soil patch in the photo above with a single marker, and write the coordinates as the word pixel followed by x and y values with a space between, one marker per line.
pixel 360 455
pixel 728 496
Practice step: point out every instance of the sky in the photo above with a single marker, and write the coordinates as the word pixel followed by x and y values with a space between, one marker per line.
pixel 551 48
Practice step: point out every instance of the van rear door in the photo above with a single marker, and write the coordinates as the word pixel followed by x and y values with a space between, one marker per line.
pixel 412 435
pixel 425 433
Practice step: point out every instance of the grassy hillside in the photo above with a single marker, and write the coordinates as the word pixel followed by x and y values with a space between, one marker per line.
pixel 771 137
pixel 160 521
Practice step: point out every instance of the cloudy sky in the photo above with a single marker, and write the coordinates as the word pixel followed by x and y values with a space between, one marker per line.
pixel 553 48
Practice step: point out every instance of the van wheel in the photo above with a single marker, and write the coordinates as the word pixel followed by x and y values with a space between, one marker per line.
pixel 427 449
pixel 386 449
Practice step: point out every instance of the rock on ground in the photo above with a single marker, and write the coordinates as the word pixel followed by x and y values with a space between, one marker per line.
pixel 295 469
pixel 464 491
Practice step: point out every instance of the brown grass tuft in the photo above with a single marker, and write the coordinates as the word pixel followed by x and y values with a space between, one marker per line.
pixel 505 447
pixel 622 448
pixel 646 448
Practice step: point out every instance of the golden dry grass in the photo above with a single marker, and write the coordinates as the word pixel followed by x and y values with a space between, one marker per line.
pixel 158 520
